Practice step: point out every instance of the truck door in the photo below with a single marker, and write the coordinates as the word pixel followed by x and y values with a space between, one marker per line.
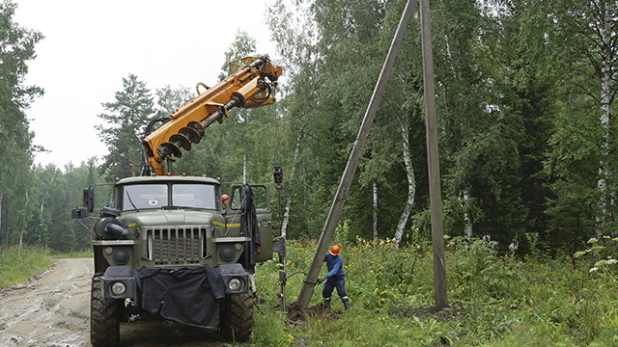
pixel 261 200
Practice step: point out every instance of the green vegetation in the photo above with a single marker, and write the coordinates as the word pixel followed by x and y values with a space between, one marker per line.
pixel 16 267
pixel 525 97
pixel 496 300
pixel 87 253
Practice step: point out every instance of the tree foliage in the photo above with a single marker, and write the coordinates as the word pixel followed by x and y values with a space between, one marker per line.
pixel 126 119
pixel 525 95
pixel 16 139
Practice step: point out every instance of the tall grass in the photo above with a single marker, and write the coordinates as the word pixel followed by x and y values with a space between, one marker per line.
pixel 496 300
pixel 16 266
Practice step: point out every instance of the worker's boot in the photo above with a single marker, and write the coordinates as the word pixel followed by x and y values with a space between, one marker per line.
pixel 327 303
pixel 346 304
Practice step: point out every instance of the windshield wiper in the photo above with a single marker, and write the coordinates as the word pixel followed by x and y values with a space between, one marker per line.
pixel 182 208
pixel 131 201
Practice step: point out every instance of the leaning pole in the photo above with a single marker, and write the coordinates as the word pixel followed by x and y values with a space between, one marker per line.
pixel 348 174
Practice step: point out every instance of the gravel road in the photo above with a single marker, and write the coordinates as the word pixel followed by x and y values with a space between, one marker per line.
pixel 55 311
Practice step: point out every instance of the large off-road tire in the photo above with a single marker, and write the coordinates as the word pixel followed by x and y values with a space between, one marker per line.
pixel 104 317
pixel 236 317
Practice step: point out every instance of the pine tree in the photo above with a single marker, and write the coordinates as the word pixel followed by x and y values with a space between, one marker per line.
pixel 126 120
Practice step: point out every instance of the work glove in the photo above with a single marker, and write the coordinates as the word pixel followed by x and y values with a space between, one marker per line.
pixel 321 280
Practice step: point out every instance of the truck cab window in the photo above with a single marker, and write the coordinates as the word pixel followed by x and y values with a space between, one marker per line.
pixel 201 196
pixel 144 196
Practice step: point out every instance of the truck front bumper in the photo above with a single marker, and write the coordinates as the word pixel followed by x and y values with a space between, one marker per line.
pixel 190 296
pixel 124 282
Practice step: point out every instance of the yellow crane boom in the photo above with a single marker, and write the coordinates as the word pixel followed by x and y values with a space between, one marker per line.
pixel 251 85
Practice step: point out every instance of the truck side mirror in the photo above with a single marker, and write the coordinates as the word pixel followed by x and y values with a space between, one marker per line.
pixel 89 199
pixel 79 213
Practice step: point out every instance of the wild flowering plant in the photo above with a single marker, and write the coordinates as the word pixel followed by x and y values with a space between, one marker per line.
pixel 603 249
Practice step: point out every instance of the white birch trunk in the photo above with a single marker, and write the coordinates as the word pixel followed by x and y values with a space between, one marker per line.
pixel 375 211
pixel 23 224
pixel 403 123
pixel 305 188
pixel 467 221
pixel 244 169
pixel 288 203
pixel 606 107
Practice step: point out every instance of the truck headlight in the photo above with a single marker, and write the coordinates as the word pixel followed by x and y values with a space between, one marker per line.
pixel 235 284
pixel 227 253
pixel 121 257
pixel 118 288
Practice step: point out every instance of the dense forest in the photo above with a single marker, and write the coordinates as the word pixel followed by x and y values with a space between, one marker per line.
pixel 525 97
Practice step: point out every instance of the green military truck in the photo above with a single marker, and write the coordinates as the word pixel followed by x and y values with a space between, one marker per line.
pixel 165 246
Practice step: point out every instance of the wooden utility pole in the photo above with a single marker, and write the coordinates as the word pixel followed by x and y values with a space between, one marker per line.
pixel 435 192
pixel 346 180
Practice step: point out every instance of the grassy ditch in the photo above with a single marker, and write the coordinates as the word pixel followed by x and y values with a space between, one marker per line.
pixel 496 300
pixel 16 266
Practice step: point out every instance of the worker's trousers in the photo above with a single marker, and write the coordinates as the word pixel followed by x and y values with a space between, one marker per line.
pixel 332 283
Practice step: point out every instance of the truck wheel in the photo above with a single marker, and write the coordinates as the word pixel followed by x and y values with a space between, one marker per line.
pixel 236 317
pixel 104 317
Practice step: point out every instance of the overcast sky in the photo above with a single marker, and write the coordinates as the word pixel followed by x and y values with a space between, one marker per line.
pixel 90 46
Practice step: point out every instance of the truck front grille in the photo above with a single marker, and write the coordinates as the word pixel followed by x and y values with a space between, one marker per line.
pixel 175 245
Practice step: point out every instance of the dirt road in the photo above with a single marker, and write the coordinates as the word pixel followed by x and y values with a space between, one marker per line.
pixel 54 311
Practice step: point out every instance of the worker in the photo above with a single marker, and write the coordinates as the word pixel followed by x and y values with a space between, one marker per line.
pixel 224 199
pixel 334 278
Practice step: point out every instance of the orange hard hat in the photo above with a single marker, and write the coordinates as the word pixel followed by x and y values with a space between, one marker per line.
pixel 335 250
pixel 224 197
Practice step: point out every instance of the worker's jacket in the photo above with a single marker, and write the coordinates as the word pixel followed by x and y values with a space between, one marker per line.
pixel 334 264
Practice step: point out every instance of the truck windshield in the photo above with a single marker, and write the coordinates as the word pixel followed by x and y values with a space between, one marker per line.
pixel 194 195
pixel 185 195
pixel 144 196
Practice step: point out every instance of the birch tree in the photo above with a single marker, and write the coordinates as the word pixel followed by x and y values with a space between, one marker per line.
pixel 294 30
pixel 590 32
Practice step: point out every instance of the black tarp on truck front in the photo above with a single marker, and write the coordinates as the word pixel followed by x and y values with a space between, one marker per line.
pixel 188 295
